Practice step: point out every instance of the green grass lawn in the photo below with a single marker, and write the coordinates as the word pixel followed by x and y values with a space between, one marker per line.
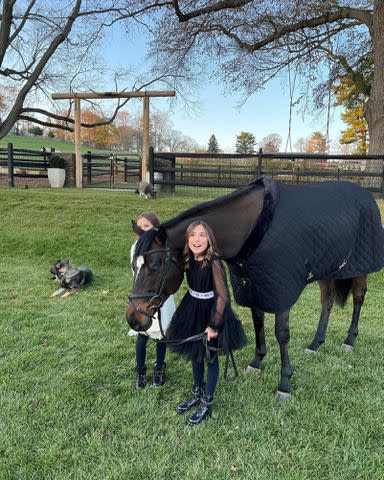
pixel 31 142
pixel 68 407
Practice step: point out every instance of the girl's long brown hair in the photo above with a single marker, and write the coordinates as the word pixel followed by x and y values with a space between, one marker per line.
pixel 151 217
pixel 211 250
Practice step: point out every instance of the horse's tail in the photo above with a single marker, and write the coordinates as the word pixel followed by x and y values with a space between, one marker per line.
pixel 342 290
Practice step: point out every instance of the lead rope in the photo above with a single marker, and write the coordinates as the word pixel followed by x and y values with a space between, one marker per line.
pixel 210 352
pixel 208 349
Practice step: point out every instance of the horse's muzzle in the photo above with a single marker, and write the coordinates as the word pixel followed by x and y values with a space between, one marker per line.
pixel 137 321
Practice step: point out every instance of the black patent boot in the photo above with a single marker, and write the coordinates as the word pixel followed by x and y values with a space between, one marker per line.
pixel 203 412
pixel 158 375
pixel 141 379
pixel 192 401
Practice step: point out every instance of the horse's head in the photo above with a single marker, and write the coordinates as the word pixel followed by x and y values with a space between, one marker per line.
pixel 158 273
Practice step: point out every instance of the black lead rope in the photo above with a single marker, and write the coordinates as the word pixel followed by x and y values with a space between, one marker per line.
pixel 210 352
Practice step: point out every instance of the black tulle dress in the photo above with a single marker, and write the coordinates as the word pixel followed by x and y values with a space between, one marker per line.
pixel 193 315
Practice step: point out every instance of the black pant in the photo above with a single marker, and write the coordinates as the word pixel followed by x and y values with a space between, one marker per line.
pixel 141 350
pixel 212 375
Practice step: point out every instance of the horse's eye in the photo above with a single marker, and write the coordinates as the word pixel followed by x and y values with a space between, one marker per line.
pixel 156 267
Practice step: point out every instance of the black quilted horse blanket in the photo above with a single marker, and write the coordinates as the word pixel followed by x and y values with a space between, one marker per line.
pixel 305 233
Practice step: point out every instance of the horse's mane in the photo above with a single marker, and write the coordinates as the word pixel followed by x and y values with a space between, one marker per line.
pixel 201 208
pixel 145 241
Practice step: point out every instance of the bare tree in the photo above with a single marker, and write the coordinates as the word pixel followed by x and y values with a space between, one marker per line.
pixel 300 145
pixel 176 141
pixel 271 143
pixel 48 45
pixel 251 42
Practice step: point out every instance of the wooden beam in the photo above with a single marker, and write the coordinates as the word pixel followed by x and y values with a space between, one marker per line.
pixel 145 149
pixel 85 95
pixel 106 95
pixel 79 160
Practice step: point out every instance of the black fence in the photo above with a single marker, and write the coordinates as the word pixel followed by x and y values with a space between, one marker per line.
pixel 21 167
pixel 216 174
pixel 197 174
pixel 111 171
pixel 28 168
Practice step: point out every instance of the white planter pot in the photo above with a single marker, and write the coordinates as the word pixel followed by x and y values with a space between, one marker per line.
pixel 56 177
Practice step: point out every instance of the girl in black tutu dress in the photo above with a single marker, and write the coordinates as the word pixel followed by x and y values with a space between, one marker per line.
pixel 205 308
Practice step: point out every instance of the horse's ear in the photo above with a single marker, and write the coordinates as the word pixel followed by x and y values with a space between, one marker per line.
pixel 136 228
pixel 161 235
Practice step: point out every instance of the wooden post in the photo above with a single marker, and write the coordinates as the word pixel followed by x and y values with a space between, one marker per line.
pixel 89 167
pixel 10 165
pixel 145 150
pixel 151 165
pixel 259 162
pixel 382 180
pixel 79 160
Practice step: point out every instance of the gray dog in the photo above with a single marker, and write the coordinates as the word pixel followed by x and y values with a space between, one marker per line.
pixel 146 189
pixel 70 278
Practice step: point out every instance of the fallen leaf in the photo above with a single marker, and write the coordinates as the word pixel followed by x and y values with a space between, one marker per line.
pixel 234 469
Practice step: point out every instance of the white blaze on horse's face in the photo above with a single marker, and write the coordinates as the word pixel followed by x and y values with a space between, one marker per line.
pixel 139 264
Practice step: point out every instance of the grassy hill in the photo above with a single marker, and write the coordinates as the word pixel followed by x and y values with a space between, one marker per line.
pixel 32 142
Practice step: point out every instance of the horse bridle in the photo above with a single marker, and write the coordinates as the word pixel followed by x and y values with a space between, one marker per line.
pixel 158 296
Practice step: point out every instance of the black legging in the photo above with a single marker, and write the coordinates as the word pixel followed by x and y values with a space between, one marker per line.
pixel 141 350
pixel 212 375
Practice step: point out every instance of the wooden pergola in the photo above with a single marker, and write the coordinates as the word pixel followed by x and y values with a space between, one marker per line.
pixel 105 95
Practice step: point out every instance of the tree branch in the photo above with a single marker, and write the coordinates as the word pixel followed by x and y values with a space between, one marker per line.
pixel 222 5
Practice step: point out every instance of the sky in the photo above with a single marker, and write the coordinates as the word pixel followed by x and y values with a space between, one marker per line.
pixel 265 112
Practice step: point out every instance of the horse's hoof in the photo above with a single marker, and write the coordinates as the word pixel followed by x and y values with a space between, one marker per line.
pixel 283 396
pixel 346 347
pixel 310 351
pixel 250 369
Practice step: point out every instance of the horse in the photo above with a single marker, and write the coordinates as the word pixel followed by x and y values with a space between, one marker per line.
pixel 276 239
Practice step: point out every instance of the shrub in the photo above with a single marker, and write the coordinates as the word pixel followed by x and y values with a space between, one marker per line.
pixel 36 130
pixel 56 162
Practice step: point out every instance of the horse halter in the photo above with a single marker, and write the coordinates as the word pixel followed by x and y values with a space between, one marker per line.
pixel 158 295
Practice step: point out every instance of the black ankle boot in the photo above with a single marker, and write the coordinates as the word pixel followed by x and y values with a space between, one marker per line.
pixel 158 375
pixel 192 401
pixel 141 379
pixel 204 411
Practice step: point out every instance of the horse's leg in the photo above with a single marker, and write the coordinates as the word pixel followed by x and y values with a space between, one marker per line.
pixel 359 288
pixel 327 296
pixel 282 335
pixel 261 349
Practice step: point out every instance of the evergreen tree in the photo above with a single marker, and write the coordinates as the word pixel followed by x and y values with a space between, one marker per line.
pixel 245 143
pixel 317 143
pixel 352 92
pixel 357 132
pixel 213 146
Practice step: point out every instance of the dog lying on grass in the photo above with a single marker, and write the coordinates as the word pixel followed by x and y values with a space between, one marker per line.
pixel 71 279
pixel 146 189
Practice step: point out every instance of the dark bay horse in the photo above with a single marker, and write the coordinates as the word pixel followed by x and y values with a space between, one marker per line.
pixel 276 239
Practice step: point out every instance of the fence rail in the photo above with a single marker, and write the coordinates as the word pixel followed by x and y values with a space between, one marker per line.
pixel 172 172
pixel 22 166
pixel 110 170
pixel 197 173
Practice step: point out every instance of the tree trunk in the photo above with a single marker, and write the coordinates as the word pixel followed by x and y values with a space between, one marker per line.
pixel 374 109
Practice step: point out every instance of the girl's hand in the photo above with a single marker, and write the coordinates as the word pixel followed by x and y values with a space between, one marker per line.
pixel 211 333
